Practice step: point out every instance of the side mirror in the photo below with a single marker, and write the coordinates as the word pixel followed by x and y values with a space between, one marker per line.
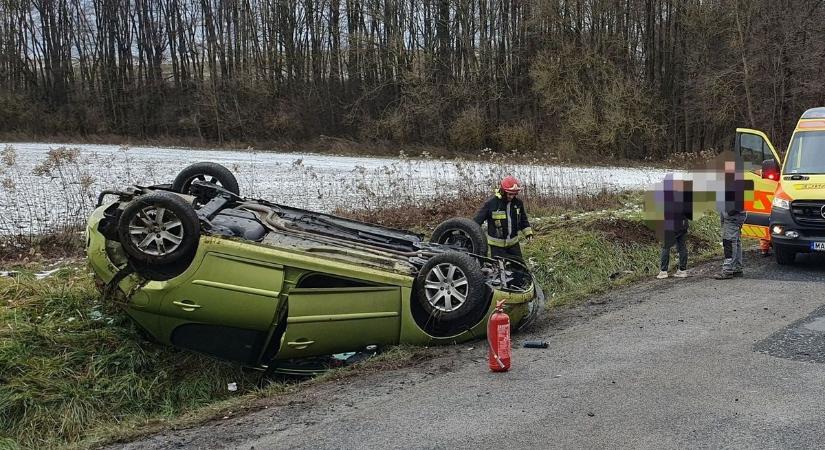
pixel 770 170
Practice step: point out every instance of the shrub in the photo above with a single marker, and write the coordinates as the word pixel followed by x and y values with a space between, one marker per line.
pixel 517 137
pixel 284 123
pixel 15 112
pixel 390 126
pixel 469 130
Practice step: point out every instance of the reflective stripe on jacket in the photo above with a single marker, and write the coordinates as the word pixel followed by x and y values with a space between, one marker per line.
pixel 507 222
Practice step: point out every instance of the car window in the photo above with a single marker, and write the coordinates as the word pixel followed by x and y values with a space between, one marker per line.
pixel 753 148
pixel 806 153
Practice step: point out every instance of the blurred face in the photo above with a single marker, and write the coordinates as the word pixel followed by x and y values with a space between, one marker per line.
pixel 678 185
pixel 509 196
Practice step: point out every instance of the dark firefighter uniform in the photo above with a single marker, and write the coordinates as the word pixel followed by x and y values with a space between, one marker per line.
pixel 507 225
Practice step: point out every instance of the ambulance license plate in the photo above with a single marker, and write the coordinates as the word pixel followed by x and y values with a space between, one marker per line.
pixel 818 246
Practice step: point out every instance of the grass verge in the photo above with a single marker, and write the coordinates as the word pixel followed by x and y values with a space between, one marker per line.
pixel 74 372
pixel 70 363
pixel 578 255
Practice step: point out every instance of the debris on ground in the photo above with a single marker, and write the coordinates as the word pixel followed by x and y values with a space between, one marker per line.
pixel 343 356
pixel 38 276
pixel 45 274
pixel 616 275
pixel 535 344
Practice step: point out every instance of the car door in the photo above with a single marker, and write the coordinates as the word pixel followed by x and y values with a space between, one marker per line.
pixel 227 308
pixel 754 147
pixel 325 320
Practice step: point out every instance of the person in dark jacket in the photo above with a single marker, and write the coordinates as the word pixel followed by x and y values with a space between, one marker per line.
pixel 731 205
pixel 678 211
pixel 506 219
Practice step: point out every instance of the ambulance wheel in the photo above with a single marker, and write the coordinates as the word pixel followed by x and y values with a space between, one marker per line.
pixel 450 288
pixel 463 233
pixel 784 256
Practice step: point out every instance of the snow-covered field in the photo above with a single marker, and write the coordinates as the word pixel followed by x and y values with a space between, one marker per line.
pixel 35 196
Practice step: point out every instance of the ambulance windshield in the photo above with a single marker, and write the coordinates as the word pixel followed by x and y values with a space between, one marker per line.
pixel 807 153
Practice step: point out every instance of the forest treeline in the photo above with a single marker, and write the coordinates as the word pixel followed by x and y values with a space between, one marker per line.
pixel 595 78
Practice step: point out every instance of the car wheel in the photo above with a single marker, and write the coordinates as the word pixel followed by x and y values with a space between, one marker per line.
pixel 461 232
pixel 450 287
pixel 784 256
pixel 158 228
pixel 205 171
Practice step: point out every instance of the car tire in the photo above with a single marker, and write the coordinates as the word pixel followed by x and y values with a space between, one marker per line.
pixel 205 171
pixel 462 232
pixel 784 256
pixel 451 288
pixel 167 216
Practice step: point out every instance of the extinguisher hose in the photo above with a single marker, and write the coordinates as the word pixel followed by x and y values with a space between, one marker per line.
pixel 495 355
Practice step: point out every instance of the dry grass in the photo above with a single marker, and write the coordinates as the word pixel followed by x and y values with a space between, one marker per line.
pixel 54 199
pixel 424 216
pixel 56 244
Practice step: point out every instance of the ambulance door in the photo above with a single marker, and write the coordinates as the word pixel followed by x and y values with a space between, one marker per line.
pixel 754 147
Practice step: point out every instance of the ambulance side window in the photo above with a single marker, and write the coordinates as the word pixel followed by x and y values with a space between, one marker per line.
pixel 752 148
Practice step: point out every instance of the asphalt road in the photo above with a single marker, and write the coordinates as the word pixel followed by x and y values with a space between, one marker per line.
pixel 692 363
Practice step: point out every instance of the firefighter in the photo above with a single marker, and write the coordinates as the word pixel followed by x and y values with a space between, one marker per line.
pixel 506 219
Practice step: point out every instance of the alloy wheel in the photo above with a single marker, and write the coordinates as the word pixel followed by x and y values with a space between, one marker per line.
pixel 156 231
pixel 446 287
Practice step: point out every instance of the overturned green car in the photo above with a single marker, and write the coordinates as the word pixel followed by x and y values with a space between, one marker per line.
pixel 199 267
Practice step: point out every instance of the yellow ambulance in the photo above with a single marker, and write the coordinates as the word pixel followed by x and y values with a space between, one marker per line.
pixel 787 209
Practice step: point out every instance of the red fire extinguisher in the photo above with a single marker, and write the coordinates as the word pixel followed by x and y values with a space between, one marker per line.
pixel 498 339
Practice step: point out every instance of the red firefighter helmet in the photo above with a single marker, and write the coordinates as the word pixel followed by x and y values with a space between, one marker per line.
pixel 510 185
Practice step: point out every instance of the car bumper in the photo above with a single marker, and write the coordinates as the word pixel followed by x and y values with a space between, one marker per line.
pixel 801 239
